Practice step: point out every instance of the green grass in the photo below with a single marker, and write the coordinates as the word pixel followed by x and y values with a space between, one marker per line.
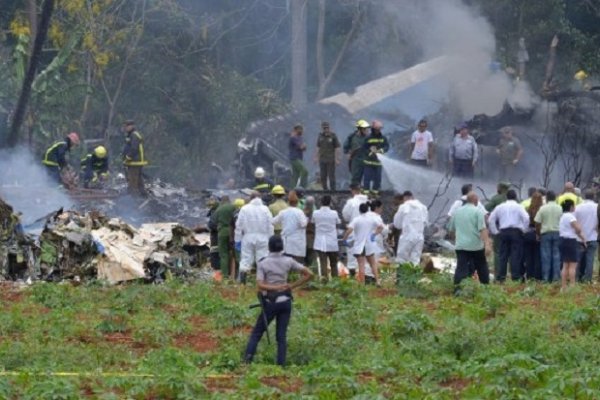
pixel 417 340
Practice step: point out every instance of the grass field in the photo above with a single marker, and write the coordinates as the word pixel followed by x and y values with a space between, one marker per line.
pixel 184 341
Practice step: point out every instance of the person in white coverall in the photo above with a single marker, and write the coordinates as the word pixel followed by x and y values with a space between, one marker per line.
pixel 293 229
pixel 411 219
pixel 252 232
pixel 349 212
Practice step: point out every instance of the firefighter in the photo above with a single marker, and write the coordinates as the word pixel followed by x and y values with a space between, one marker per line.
pixel 354 147
pixel 134 159
pixel 375 144
pixel 261 184
pixel 94 167
pixel 55 158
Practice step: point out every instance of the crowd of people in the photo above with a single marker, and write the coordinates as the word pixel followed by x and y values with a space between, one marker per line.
pixel 546 237
pixel 313 232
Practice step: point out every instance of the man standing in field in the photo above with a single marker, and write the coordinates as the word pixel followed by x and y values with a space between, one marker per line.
pixel 421 145
pixel 327 156
pixel 472 241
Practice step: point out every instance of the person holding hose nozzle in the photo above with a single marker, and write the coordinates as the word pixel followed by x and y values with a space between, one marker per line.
pixel 375 144
pixel 275 295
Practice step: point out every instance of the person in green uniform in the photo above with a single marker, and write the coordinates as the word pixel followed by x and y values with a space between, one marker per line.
pixel 354 146
pixel 278 205
pixel 496 200
pixel 224 215
pixel 327 156
pixel 510 151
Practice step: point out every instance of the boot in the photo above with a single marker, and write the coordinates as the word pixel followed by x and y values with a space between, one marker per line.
pixel 243 276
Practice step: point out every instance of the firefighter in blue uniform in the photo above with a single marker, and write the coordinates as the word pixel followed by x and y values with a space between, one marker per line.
pixel 94 167
pixel 55 157
pixel 375 144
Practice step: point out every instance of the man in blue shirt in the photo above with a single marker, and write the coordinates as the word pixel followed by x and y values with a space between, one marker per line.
pixel 297 147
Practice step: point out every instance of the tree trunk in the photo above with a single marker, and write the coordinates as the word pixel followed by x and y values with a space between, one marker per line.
pixel 33 23
pixel 21 108
pixel 325 80
pixel 299 52
pixel 320 44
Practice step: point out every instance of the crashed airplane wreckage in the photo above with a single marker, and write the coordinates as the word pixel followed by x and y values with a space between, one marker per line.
pixel 92 246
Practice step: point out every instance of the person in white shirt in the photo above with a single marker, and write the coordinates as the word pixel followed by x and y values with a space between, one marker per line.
pixel 464 190
pixel 570 231
pixel 411 219
pixel 349 212
pixel 377 245
pixel 253 229
pixel 293 229
pixel 421 145
pixel 587 216
pixel 365 228
pixel 326 221
pixel 509 220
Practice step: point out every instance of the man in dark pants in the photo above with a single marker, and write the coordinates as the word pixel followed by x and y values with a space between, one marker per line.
pixel 509 220
pixel 55 157
pixel 213 228
pixel 276 297
pixel 134 159
pixel 327 156
pixel 375 144
pixel 472 241
pixel 354 147
pixel 297 147
pixel 463 153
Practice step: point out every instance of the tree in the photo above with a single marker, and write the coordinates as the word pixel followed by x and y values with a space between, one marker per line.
pixel 40 38
pixel 299 52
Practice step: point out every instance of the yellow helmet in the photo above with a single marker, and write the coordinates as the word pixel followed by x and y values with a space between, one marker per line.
pixel 580 75
pixel 278 189
pixel 239 203
pixel 361 123
pixel 100 152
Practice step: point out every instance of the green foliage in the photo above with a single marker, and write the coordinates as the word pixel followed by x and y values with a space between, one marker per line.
pixel 410 324
pixel 344 341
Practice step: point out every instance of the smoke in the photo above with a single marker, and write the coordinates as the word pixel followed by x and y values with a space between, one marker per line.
pixel 25 185
pixel 451 28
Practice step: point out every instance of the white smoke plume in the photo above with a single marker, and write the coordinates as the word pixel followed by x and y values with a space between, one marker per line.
pixel 25 185
pixel 451 28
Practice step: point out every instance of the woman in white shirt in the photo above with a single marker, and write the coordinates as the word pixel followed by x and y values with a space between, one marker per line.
pixel 569 230
pixel 365 229
pixel 377 245
pixel 293 229
pixel 326 221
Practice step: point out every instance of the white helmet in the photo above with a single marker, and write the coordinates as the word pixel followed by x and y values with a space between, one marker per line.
pixel 259 172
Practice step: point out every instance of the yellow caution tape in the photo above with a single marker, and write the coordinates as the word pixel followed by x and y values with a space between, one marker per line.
pixel 105 374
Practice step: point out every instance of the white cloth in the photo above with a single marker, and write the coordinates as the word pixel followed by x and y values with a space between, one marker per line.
pixel 421 141
pixel 253 228
pixel 293 231
pixel 363 227
pixel 326 221
pixel 565 229
pixel 411 218
pixel 587 216
pixel 459 203
pixel 351 208
pixel 509 214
